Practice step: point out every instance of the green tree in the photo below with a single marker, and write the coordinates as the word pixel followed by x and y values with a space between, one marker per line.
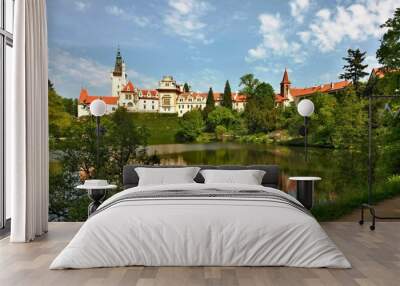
pixel 222 116
pixel 59 119
pixel 124 139
pixel 186 87
pixel 71 106
pixel 249 83
pixel 227 97
pixel 388 53
pixel 121 143
pixel 351 122
pixel 210 103
pixel 260 112
pixel 354 70
pixel 323 123
pixel 191 125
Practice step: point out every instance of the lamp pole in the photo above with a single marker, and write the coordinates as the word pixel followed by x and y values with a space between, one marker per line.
pixel 305 108
pixel 97 141
pixel 98 108
pixel 305 138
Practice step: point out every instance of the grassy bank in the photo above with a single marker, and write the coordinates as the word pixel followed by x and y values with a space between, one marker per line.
pixel 351 200
pixel 162 127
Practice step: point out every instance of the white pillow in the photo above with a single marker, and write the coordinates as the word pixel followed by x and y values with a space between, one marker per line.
pixel 248 177
pixel 166 176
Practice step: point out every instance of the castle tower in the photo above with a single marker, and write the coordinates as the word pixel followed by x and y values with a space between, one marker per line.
pixel 118 75
pixel 285 85
pixel 168 92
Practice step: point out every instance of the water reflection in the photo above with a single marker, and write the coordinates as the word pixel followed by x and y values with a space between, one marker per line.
pixel 341 171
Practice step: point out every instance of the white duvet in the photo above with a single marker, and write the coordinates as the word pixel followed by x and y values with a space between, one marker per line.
pixel 202 232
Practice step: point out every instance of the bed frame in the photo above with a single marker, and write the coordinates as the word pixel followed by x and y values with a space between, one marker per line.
pixel 270 179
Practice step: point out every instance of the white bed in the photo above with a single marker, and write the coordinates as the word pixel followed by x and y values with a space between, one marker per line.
pixel 200 231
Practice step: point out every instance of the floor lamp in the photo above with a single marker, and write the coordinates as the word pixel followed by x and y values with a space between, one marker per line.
pixel 305 108
pixel 369 204
pixel 98 108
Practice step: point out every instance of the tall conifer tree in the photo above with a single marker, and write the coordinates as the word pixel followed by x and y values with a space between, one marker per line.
pixel 227 98
pixel 354 70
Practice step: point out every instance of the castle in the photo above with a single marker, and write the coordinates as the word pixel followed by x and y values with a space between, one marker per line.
pixel 168 97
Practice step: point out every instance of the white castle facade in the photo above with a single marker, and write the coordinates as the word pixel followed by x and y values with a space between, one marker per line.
pixel 168 97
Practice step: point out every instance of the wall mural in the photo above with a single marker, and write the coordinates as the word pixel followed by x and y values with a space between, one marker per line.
pixel 198 82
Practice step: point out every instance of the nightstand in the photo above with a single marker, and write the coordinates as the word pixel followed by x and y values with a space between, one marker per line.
pixel 305 190
pixel 97 191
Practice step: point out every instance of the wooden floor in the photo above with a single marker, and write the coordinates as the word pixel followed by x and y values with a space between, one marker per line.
pixel 375 257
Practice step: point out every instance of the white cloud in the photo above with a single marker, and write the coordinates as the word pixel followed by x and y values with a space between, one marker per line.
pixel 141 21
pixel 115 10
pixel 356 22
pixel 304 36
pixel 239 16
pixel 65 67
pixel 274 41
pixel 70 73
pixel 141 80
pixel 298 8
pixel 81 5
pixel 184 18
pixel 206 78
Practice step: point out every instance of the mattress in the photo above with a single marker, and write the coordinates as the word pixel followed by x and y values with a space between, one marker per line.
pixel 201 225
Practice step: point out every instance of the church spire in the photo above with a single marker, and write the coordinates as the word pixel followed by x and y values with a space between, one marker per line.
pixel 285 78
pixel 118 64
pixel 285 84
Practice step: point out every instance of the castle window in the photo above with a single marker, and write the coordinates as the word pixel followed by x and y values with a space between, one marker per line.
pixel 166 100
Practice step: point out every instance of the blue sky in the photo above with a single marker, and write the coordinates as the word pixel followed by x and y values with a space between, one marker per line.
pixel 207 42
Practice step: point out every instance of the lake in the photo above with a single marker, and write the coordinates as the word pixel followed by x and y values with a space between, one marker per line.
pixel 341 171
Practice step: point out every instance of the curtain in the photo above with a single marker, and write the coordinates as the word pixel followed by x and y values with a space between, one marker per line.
pixel 27 153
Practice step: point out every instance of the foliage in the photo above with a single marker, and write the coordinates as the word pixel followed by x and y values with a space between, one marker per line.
pixel 122 143
pixel 227 97
pixel 163 126
pixel 71 106
pixel 210 104
pixel 59 118
pixel 352 199
pixel 220 131
pixel 388 53
pixel 191 126
pixel 351 122
pixel 260 112
pixel 222 116
pixel 323 123
pixel 186 87
pixel 249 83
pixel 354 70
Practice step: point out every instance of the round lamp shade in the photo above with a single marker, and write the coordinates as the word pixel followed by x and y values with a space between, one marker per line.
pixel 305 108
pixel 98 107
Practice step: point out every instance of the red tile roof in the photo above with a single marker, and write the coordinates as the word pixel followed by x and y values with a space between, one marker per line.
pixel 236 97
pixel 85 98
pixel 381 71
pixel 326 88
pixel 149 93
pixel 128 87
pixel 329 87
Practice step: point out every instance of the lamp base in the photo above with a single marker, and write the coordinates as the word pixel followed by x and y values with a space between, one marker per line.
pixel 373 215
